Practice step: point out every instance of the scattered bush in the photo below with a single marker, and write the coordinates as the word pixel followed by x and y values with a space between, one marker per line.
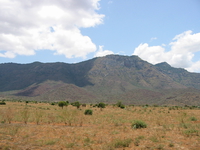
pixel 52 103
pixel 171 145
pixel 25 114
pixel 88 112
pixel 160 147
pixel 38 116
pixel 101 105
pixel 153 139
pixel 122 143
pixel 2 103
pixel 76 104
pixel 137 140
pixel 83 105
pixel 119 104
pixel 26 102
pixel 193 119
pixel 191 132
pixel 137 124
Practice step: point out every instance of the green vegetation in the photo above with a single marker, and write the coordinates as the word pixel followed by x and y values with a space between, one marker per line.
pixel 110 129
pixel 101 105
pixel 2 103
pixel 193 118
pixel 127 79
pixel 119 104
pixel 122 143
pixel 88 112
pixel 62 104
pixel 191 132
pixel 138 124
pixel 76 104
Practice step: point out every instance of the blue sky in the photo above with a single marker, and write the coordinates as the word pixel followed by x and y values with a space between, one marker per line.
pixel 74 31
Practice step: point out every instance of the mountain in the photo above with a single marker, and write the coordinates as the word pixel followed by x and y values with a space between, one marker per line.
pixel 109 79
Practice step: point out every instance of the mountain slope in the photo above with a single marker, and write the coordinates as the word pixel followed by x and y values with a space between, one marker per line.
pixel 110 78
pixel 180 75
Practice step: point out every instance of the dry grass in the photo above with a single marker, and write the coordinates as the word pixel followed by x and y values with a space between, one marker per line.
pixel 43 126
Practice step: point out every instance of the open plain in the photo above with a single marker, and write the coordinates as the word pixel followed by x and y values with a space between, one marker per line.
pixel 27 126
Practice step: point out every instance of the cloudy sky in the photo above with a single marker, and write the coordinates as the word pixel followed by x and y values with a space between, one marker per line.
pixel 76 30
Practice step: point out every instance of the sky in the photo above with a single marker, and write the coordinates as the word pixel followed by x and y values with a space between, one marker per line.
pixel 72 31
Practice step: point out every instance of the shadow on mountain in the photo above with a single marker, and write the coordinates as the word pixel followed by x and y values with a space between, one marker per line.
pixel 19 76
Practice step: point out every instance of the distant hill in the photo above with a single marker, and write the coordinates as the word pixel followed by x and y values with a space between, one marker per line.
pixel 109 79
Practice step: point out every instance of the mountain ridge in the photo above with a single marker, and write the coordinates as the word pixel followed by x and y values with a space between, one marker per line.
pixel 109 78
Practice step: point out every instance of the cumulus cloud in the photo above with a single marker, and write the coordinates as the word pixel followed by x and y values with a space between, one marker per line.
pixel 31 25
pixel 181 54
pixel 101 52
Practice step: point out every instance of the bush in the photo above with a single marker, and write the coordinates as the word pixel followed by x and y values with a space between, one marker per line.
pixel 122 106
pixel 76 104
pixel 101 105
pixel 88 112
pixel 193 119
pixel 2 103
pixel 191 132
pixel 122 143
pixel 137 124
pixel 119 104
pixel 62 104
pixel 52 103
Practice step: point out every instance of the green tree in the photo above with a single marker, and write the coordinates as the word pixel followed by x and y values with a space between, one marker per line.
pixel 101 105
pixel 76 104
pixel 119 104
pixel 62 104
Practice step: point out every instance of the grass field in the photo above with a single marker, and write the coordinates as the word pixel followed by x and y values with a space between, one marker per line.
pixel 43 126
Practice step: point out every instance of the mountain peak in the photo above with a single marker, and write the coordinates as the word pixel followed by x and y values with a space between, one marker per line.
pixel 163 64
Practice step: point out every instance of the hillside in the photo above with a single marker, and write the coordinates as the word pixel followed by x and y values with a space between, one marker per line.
pixel 109 79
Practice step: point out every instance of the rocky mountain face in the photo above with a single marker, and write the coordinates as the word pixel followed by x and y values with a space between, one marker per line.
pixel 109 79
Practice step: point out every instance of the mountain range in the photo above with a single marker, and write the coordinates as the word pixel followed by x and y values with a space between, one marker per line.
pixel 104 79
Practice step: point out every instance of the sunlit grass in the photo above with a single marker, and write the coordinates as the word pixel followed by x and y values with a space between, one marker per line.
pixel 51 127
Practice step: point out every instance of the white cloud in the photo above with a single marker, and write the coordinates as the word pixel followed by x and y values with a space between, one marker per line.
pixel 27 26
pixel 195 67
pixel 180 55
pixel 101 52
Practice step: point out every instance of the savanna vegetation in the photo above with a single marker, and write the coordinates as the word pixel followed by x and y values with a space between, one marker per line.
pixel 61 125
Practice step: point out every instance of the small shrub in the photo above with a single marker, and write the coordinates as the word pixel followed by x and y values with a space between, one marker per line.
pixel 101 105
pixel 153 139
pixel 191 132
pixel 120 105
pixel 70 145
pixel 88 112
pixel 83 105
pixel 2 103
pixel 25 114
pixel 136 142
pixel 185 125
pixel 137 124
pixel 193 119
pixel 122 143
pixel 171 145
pixel 160 147
pixel 140 137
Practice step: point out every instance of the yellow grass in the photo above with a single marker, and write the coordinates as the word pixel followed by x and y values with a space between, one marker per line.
pixel 43 126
